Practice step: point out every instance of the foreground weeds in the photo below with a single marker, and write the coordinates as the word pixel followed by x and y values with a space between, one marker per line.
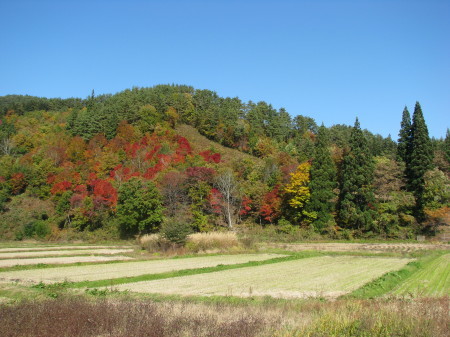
pixel 80 317
pixel 84 316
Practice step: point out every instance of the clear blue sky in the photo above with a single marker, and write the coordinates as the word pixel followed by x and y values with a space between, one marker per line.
pixel 331 60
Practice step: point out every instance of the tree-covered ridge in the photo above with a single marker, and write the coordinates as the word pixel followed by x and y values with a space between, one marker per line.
pixel 100 160
pixel 255 128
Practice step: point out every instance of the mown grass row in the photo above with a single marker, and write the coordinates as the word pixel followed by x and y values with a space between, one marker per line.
pixel 389 281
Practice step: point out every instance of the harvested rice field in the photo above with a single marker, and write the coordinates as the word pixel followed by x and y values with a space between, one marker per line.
pixel 433 280
pixel 361 247
pixel 104 251
pixel 127 269
pixel 61 260
pixel 325 276
pixel 51 248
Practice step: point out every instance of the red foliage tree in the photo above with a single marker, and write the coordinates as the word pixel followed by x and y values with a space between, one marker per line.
pixel 18 183
pixel 184 148
pixel 270 207
pixel 246 206
pixel 61 187
pixel 210 157
pixel 200 173
pixel 104 193
pixel 215 200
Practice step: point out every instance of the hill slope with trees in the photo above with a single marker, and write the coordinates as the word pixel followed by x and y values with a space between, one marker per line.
pixel 126 164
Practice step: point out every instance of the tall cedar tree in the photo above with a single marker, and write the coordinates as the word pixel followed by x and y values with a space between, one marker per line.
pixel 404 137
pixel 421 159
pixel 447 146
pixel 356 192
pixel 323 182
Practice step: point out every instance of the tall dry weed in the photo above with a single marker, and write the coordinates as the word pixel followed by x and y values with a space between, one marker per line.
pixel 212 241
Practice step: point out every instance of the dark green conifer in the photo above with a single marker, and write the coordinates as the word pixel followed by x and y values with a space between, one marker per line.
pixel 355 205
pixel 447 146
pixel 323 182
pixel 404 137
pixel 421 158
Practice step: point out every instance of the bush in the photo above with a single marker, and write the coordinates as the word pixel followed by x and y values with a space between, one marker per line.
pixel 175 231
pixel 37 228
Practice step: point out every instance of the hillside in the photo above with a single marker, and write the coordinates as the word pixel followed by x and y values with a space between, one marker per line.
pixel 146 159
pixel 199 143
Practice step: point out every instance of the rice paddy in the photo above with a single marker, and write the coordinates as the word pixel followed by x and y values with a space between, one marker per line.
pixel 21 254
pixel 323 276
pixel 61 260
pixel 127 269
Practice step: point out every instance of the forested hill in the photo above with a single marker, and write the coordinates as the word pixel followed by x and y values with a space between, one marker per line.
pixel 250 127
pixel 190 156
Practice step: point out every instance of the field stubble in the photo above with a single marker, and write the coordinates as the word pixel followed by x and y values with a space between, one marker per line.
pixel 127 269
pixel 324 276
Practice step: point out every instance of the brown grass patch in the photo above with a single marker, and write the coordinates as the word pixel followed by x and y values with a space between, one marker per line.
pixel 80 317
pixel 212 241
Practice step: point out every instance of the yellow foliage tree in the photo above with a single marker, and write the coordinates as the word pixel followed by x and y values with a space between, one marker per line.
pixel 298 192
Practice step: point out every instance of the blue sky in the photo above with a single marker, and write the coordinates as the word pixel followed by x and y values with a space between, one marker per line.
pixel 330 60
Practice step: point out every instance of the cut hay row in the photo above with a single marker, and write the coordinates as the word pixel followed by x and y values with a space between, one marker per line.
pixel 371 247
pixel 432 280
pixel 128 269
pixel 18 255
pixel 324 276
pixel 62 260
pixel 51 247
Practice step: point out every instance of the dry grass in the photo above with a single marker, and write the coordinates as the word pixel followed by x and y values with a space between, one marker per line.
pixel 324 276
pixel 371 247
pixel 201 143
pixel 212 241
pixel 61 260
pixel 52 247
pixel 79 317
pixel 127 269
pixel 18 255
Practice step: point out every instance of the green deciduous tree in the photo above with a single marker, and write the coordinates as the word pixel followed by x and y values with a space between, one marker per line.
pixel 139 207
pixel 356 192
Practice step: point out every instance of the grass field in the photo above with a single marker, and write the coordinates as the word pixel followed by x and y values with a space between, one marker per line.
pixel 127 269
pixel 432 280
pixel 324 276
pixel 261 294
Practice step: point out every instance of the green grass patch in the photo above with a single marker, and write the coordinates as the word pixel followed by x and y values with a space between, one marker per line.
pixel 389 281
pixel 432 279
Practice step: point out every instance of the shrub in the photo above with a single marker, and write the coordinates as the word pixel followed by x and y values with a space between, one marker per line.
pixel 37 228
pixel 175 231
